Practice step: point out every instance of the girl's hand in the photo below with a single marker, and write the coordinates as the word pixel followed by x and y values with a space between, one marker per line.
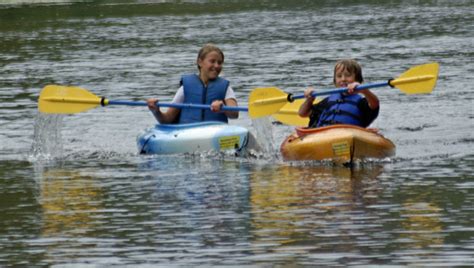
pixel 308 92
pixel 351 88
pixel 151 103
pixel 217 105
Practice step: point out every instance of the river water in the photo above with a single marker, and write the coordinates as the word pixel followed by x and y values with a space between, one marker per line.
pixel 75 192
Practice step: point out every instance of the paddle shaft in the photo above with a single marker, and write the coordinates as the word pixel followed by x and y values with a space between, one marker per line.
pixel 390 82
pixel 339 90
pixel 174 105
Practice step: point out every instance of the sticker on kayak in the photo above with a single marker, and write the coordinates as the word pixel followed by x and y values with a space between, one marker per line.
pixel 341 148
pixel 229 142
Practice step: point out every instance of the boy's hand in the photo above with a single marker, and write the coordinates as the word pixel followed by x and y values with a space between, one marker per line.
pixel 351 88
pixel 308 92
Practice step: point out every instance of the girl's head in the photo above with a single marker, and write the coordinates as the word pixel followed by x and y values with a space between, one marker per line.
pixel 347 71
pixel 209 61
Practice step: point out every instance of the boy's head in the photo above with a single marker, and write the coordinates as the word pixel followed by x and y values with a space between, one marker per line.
pixel 350 66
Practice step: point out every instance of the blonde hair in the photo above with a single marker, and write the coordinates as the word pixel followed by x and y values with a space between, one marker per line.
pixel 351 66
pixel 206 49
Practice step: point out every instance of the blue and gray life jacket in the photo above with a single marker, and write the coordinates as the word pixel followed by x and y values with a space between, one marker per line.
pixel 197 93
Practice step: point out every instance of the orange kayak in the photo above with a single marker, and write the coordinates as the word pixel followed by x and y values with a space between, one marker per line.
pixel 340 143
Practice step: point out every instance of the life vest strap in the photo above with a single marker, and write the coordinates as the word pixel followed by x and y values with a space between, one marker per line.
pixel 340 112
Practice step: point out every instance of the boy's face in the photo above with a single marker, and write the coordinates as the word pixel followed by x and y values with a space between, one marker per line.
pixel 343 77
pixel 211 65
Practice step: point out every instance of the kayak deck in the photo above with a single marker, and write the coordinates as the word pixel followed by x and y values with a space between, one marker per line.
pixel 193 137
pixel 340 143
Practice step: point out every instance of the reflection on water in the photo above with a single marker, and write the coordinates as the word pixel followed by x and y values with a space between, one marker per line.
pixel 318 211
pixel 421 225
pixel 293 207
pixel 69 202
pixel 203 210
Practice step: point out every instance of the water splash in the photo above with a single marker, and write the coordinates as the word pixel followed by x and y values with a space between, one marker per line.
pixel 265 136
pixel 47 141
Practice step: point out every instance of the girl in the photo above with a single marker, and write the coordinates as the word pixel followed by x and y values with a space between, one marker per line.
pixel 203 88
pixel 352 107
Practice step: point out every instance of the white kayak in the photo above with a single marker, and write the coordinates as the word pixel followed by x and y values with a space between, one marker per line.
pixel 193 137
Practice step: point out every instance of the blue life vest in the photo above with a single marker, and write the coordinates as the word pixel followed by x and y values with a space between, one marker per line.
pixel 342 109
pixel 197 93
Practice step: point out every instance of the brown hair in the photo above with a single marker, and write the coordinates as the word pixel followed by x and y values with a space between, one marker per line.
pixel 206 49
pixel 351 66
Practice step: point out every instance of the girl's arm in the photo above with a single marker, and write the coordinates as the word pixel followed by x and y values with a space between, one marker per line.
pixel 217 104
pixel 164 118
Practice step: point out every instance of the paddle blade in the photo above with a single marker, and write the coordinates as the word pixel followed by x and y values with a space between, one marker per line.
pixel 266 101
pixel 420 79
pixel 288 114
pixel 66 100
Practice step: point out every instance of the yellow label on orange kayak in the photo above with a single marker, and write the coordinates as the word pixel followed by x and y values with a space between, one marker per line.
pixel 341 148
pixel 230 142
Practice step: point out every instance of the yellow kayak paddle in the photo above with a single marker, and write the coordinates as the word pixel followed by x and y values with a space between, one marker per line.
pixel 58 99
pixel 69 100
pixel 288 114
pixel 420 79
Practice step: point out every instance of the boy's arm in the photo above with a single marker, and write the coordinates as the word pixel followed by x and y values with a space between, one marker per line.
pixel 371 98
pixel 305 108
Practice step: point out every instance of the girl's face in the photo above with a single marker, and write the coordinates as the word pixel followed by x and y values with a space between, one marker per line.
pixel 343 77
pixel 211 65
